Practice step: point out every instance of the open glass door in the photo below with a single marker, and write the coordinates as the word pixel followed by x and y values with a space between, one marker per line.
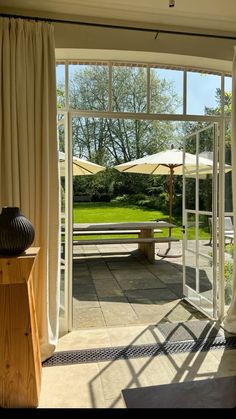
pixel 200 221
pixel 65 260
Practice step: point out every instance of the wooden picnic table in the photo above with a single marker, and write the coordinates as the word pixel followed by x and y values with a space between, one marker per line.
pixel 145 230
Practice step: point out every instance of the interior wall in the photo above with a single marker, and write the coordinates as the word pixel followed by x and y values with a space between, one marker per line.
pixel 85 37
pixel 72 36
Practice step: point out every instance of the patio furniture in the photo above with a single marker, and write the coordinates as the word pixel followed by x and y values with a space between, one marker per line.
pixel 228 229
pixel 80 167
pixel 146 240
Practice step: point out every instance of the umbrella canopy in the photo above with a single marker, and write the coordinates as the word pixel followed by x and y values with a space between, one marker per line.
pixel 162 163
pixel 168 162
pixel 80 167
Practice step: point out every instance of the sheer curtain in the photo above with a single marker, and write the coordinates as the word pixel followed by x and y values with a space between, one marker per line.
pixel 28 154
pixel 230 320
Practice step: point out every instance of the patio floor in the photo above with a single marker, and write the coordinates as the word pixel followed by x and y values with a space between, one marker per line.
pixel 116 286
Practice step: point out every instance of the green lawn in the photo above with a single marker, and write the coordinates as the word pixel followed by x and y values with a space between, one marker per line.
pixel 108 212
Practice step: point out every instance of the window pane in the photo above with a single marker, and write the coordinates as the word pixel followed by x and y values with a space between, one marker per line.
pixel 190 256
pixel 88 87
pixel 60 78
pixel 203 94
pixel 129 89
pixel 228 95
pixel 166 91
pixel 190 176
pixel 228 169
pixel 206 146
pixel 228 269
pixel 61 148
pixel 61 132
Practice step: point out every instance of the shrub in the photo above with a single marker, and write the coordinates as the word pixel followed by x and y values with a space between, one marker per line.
pixel 105 197
pixel 228 274
pixel 163 202
pixel 145 203
pixel 96 197
pixel 82 198
pixel 62 199
pixel 177 205
pixel 228 271
pixel 121 199
pixel 229 248
pixel 135 199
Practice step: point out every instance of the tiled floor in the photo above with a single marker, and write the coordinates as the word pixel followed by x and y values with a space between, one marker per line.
pixel 119 300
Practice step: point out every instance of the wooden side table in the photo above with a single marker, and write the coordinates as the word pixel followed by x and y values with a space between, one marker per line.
pixel 20 364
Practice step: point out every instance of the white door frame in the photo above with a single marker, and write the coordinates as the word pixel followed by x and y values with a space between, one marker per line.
pixel 208 306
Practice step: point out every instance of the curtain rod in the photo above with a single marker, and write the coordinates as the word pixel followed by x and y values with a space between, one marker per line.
pixel 110 26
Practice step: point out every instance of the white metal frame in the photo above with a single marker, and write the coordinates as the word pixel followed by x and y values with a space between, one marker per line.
pixel 220 119
pixel 193 295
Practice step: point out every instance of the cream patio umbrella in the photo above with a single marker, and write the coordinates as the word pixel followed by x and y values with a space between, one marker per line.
pixel 80 167
pixel 168 162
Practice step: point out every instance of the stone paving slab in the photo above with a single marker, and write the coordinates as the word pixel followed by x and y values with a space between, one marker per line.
pixel 88 301
pixel 107 288
pixel 139 283
pixel 118 313
pixel 153 295
pixel 87 317
pixel 80 289
pixel 173 278
pixel 126 265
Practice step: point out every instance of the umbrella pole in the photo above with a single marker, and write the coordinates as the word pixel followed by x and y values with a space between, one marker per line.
pixel 171 198
pixel 167 254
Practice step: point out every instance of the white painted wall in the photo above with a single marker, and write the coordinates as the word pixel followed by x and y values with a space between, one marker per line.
pixel 72 36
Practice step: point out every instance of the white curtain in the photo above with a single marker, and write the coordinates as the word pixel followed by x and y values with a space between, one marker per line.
pixel 28 154
pixel 230 320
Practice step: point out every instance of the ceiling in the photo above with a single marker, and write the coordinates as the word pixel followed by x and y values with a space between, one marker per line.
pixel 214 15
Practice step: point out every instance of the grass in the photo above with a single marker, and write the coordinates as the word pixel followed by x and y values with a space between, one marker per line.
pixel 109 212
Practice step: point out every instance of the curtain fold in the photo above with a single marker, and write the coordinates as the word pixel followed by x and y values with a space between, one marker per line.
pixel 229 322
pixel 28 154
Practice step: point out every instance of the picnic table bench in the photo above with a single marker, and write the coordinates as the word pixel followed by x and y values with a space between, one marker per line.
pixel 145 231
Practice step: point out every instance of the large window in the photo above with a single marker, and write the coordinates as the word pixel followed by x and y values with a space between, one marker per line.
pixel 110 112
pixel 141 89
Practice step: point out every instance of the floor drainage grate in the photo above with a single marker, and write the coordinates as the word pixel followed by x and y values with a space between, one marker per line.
pixel 139 351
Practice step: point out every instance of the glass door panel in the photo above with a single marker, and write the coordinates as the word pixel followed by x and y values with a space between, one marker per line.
pixel 199 216
pixel 228 241
pixel 61 147
pixel 190 252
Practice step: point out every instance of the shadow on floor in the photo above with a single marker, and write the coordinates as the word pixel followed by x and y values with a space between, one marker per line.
pixel 122 290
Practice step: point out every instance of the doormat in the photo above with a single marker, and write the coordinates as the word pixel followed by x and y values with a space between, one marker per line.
pixel 191 330
pixel 139 351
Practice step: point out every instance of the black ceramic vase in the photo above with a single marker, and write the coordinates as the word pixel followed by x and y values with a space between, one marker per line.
pixel 16 232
